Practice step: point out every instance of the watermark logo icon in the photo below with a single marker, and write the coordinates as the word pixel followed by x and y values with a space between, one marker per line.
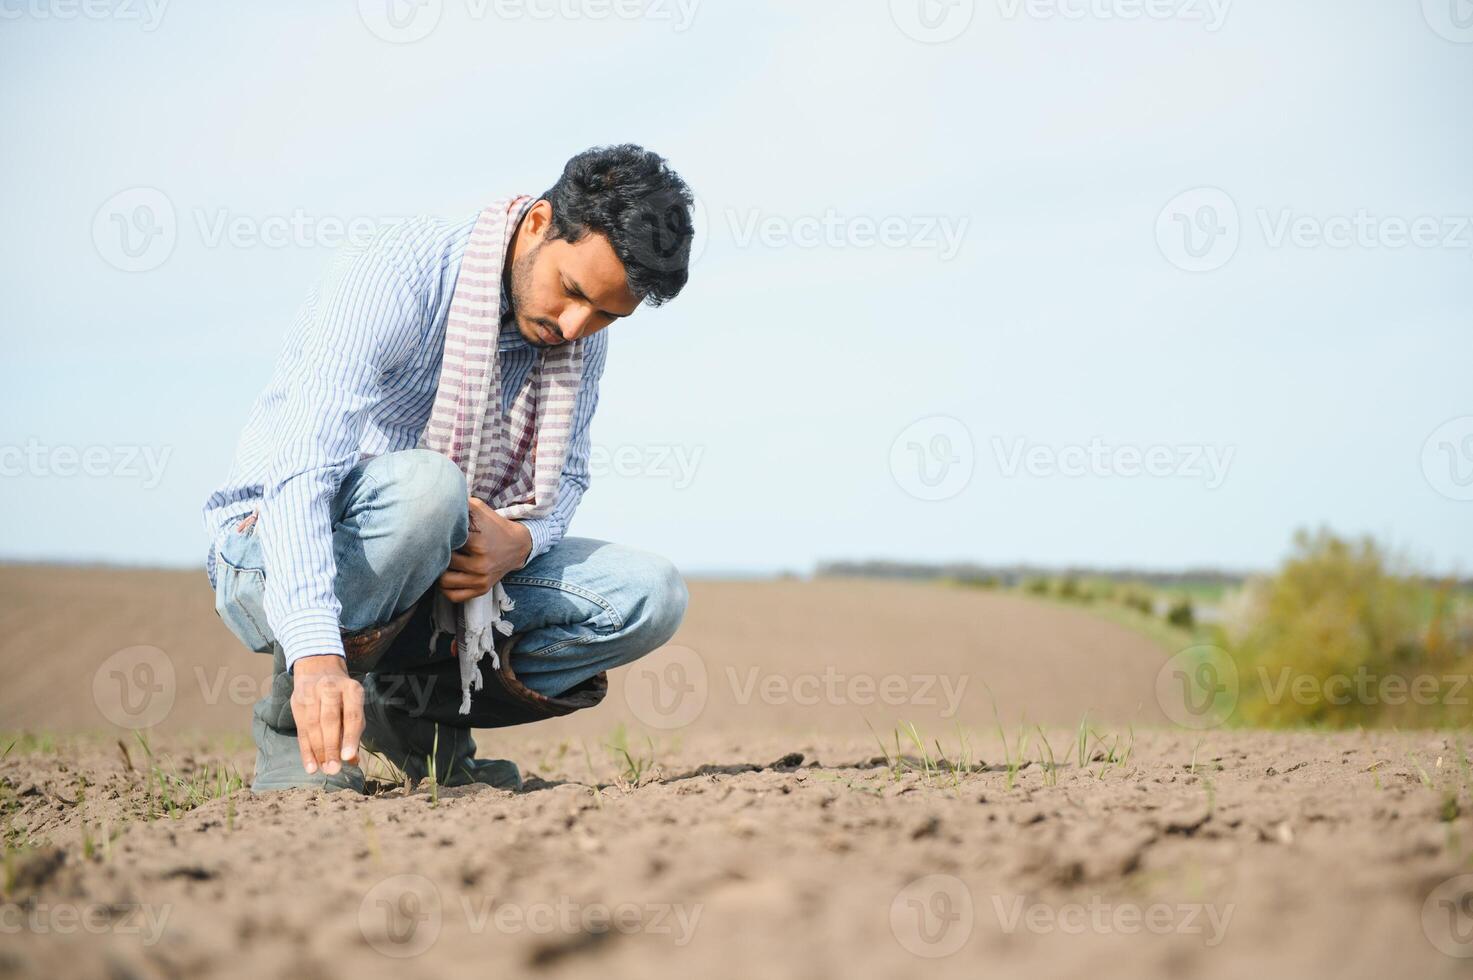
pixel 932 916
pixel 676 232
pixel 1451 19
pixel 667 689
pixel 701 230
pixel 1447 917
pixel 932 21
pixel 933 458
pixel 135 687
pixel 400 21
pixel 1198 687
pixel 135 230
pixel 1447 458
pixel 1199 230
pixel 401 916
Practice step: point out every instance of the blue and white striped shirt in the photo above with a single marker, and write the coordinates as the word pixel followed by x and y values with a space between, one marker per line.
pixel 357 379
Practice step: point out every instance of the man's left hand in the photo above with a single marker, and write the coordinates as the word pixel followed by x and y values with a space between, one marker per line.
pixel 494 547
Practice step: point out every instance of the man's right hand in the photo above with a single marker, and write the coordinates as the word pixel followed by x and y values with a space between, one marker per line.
pixel 328 707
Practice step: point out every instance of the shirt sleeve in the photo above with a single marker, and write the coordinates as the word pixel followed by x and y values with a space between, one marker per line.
pixel 548 531
pixel 363 318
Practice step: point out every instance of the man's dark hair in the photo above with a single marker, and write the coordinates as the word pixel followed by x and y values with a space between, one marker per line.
pixel 632 197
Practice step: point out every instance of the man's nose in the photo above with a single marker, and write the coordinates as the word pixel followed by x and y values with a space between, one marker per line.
pixel 574 323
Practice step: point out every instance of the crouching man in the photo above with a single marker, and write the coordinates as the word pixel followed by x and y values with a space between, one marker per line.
pixel 392 528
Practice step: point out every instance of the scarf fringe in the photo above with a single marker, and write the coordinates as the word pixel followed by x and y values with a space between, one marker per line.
pixel 475 629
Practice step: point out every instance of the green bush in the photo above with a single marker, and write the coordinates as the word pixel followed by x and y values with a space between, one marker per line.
pixel 1340 637
pixel 1181 614
pixel 1138 600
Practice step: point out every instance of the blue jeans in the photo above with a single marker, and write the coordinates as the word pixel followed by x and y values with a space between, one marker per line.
pixel 582 608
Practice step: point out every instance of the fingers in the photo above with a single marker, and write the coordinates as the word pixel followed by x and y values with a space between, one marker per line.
pixel 329 717
pixel 461 586
pixel 463 595
pixel 330 708
pixel 352 722
pixel 309 730
pixel 473 567
pixel 476 563
pixel 462 580
pixel 309 761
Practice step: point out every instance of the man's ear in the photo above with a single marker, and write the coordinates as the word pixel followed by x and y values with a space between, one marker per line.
pixel 538 218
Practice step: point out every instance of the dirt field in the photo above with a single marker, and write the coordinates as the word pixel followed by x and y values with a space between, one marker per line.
pixel 727 811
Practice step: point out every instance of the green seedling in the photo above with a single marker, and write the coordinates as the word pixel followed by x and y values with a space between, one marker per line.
pixel 370 835
pixel 633 766
pixel 1421 773
pixel 1050 769
pixel 1081 741
pixel 431 771
pixel 553 762
pixel 1013 763
pixel 912 733
pixel 385 770
pixel 890 764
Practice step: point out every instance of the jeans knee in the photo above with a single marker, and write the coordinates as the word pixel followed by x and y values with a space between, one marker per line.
pixel 665 601
pixel 404 514
pixel 430 499
pixel 416 513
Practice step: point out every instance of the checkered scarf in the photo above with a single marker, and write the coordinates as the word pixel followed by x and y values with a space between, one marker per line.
pixel 512 460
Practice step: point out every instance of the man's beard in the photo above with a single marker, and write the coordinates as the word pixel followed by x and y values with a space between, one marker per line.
pixel 521 289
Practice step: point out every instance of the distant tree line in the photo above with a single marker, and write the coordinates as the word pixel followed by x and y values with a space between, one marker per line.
pixel 1017 576
pixel 1011 576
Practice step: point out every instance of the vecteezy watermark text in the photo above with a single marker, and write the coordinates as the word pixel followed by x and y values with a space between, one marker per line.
pixel 94 918
pixel 934 916
pixel 1363 687
pixel 137 229
pixel 1200 687
pixel 402 916
pixel 1099 459
pixel 939 21
pixel 146 13
pixel 1199 230
pixel 833 687
pixel 1211 14
pixel 125 462
pixel 407 21
pixel 1103 917
pixel 942 234
pixel 675 463
pixel 138 686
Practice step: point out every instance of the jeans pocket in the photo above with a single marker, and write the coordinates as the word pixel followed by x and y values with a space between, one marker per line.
pixel 543 602
pixel 240 592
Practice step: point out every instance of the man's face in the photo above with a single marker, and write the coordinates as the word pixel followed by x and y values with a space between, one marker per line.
pixel 563 292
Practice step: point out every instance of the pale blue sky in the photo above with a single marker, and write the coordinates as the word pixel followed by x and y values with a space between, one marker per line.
pixel 757 413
